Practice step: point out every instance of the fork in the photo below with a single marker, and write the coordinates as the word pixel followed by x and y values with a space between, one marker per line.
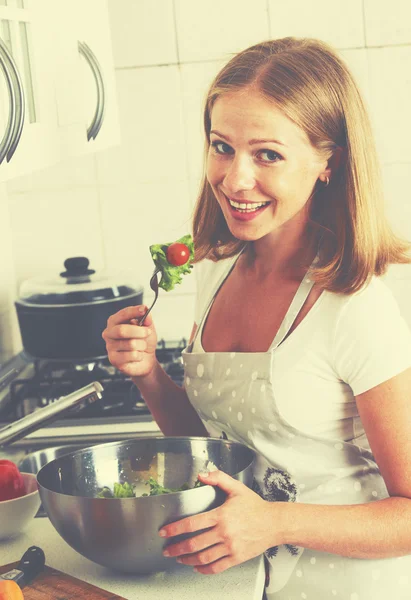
pixel 154 282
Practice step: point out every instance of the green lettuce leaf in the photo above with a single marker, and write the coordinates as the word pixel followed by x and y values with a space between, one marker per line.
pixel 170 274
pixel 121 490
pixel 156 489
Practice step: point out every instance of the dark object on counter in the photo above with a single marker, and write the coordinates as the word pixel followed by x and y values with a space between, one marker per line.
pixel 31 564
pixel 64 317
pixel 122 533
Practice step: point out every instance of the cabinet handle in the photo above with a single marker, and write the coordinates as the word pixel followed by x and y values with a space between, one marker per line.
pixel 100 83
pixel 16 115
pixel 4 65
pixel 98 117
pixel 20 111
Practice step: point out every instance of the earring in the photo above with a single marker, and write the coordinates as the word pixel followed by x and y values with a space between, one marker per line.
pixel 327 181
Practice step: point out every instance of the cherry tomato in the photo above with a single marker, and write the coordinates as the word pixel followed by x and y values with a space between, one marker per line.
pixel 11 481
pixel 177 254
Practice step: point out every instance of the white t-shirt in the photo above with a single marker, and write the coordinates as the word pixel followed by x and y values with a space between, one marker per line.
pixel 345 345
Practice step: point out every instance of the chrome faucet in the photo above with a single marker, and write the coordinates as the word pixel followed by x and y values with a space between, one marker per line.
pixel 75 401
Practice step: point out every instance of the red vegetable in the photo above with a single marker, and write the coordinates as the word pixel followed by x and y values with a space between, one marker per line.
pixel 11 481
pixel 177 254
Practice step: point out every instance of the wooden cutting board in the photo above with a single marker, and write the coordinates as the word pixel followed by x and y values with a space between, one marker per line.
pixel 52 584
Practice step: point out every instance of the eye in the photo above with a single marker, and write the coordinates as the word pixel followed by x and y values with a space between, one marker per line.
pixel 221 147
pixel 270 156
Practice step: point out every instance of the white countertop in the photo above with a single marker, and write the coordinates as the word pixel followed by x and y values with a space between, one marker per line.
pixel 244 582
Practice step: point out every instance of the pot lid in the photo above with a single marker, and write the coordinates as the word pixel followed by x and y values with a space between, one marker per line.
pixel 78 284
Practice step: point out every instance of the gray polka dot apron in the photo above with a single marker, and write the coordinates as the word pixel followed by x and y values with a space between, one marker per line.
pixel 234 396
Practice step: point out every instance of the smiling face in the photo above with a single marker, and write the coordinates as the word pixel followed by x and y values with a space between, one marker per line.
pixel 261 166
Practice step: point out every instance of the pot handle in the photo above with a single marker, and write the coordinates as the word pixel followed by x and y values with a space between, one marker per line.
pixel 33 421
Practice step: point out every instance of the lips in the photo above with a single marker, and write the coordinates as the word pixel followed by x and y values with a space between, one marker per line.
pixel 244 216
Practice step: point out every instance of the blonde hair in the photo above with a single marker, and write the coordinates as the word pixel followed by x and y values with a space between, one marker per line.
pixel 314 88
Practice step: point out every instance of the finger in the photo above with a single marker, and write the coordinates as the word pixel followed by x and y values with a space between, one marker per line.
pixel 132 369
pixel 205 557
pixel 194 545
pixel 216 567
pixel 120 359
pixel 148 320
pixel 222 480
pixel 190 524
pixel 126 314
pixel 126 345
pixel 125 331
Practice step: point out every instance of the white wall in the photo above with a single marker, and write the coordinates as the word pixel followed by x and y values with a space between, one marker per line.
pixel 112 206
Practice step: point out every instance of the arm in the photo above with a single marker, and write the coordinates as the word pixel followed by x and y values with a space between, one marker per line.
pixel 169 404
pixel 132 350
pixel 377 529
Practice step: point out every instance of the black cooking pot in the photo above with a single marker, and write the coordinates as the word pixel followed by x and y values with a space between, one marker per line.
pixel 64 317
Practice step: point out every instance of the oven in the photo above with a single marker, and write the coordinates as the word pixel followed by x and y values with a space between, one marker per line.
pixel 27 385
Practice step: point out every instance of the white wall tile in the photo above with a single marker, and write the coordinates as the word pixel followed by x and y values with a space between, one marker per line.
pixel 134 217
pixel 8 287
pixel 72 171
pixel 173 315
pixel 10 338
pixel 48 227
pixel 357 62
pixel 387 23
pixel 152 135
pixel 7 279
pixel 390 90
pixel 401 289
pixel 339 23
pixel 213 30
pixel 143 32
pixel 396 179
pixel 194 186
pixel 10 341
pixel 196 78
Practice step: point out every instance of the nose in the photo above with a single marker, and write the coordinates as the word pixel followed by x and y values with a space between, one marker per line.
pixel 240 175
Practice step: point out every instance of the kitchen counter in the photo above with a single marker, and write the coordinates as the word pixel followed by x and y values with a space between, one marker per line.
pixel 244 582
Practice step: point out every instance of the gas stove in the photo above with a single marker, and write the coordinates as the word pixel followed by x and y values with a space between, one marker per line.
pixel 120 414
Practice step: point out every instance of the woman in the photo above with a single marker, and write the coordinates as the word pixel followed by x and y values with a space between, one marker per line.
pixel 298 348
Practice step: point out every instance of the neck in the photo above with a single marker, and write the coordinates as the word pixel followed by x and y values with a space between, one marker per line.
pixel 281 256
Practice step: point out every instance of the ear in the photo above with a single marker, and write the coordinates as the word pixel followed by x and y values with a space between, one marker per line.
pixel 334 162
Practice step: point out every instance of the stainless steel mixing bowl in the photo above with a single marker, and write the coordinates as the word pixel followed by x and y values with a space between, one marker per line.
pixel 122 534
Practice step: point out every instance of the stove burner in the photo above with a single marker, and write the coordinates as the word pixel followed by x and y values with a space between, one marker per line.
pixel 53 379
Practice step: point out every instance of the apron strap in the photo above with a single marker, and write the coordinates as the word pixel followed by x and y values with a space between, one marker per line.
pixel 297 303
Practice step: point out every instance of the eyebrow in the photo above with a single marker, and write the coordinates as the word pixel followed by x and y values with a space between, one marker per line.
pixel 251 142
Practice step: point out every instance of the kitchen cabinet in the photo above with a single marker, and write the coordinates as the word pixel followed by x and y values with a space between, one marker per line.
pixel 57 83
pixel 98 77
pixel 85 87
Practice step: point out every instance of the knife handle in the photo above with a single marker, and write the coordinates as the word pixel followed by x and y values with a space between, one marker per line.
pixel 31 563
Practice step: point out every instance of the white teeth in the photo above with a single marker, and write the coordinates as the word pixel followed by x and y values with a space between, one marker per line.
pixel 247 207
